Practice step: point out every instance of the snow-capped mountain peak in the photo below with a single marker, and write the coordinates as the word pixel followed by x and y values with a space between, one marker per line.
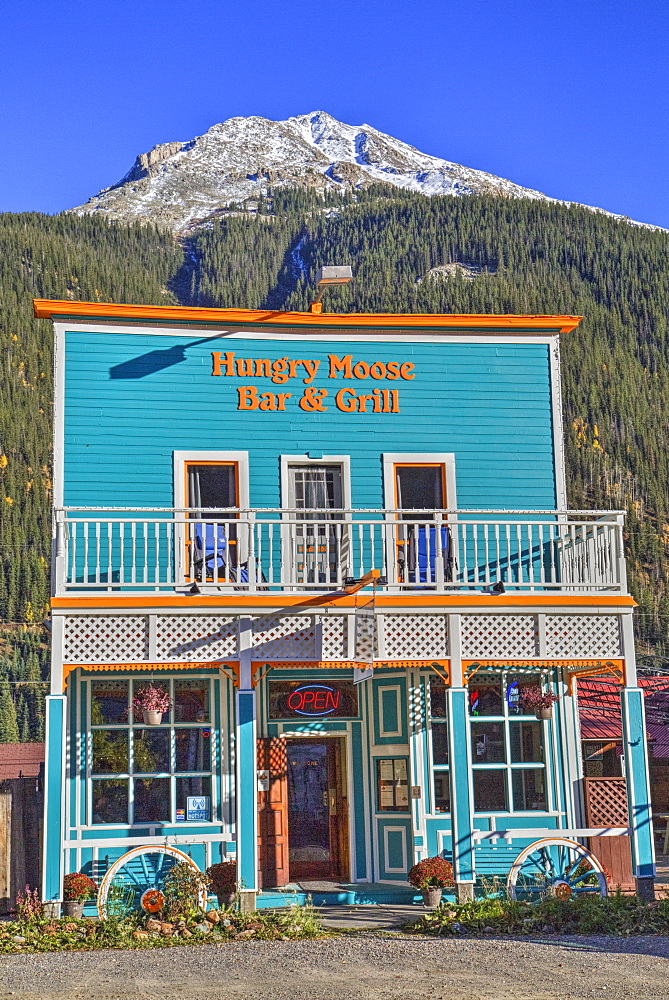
pixel 179 185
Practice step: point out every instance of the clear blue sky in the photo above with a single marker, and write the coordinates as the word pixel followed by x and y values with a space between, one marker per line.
pixel 567 96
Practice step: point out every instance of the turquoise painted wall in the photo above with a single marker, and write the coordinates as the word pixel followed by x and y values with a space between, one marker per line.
pixel 132 399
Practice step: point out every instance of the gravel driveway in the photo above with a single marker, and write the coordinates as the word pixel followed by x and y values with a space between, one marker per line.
pixel 351 967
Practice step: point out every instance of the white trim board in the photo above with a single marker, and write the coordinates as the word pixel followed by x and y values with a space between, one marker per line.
pixel 337 334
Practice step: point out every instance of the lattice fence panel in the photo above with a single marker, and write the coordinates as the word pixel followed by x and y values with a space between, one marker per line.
pixel 499 636
pixel 285 637
pixel 334 637
pixel 196 637
pixel 106 639
pixel 582 636
pixel 415 637
pixel 606 802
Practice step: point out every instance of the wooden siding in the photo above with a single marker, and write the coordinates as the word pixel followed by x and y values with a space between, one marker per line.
pixel 132 399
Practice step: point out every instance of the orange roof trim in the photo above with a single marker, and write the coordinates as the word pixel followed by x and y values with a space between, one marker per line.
pixel 54 308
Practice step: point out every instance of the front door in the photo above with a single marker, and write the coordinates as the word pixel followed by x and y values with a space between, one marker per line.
pixel 317 810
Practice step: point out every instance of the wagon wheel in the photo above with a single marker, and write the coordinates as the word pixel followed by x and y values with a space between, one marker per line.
pixel 555 867
pixel 134 883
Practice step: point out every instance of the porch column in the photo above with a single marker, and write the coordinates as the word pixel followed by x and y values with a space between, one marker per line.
pixel 246 776
pixel 638 791
pixel 636 771
pixel 55 765
pixel 461 803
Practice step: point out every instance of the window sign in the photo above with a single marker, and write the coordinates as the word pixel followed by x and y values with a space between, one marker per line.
pixel 197 808
pixel 181 815
pixel 297 699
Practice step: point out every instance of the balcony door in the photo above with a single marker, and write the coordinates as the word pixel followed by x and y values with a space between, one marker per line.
pixel 315 496
pixel 210 489
pixel 420 488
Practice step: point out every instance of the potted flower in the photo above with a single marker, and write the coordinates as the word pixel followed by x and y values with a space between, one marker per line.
pixel 223 881
pixel 77 888
pixel 535 699
pixel 150 703
pixel 432 876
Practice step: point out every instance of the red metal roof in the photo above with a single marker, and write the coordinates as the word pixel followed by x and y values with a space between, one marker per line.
pixel 20 760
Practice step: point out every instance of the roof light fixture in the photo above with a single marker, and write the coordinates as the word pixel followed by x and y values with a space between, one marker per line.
pixel 332 275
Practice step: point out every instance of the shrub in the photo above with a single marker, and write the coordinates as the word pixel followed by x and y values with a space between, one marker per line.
pixel 182 888
pixel 223 877
pixel 28 905
pixel 432 873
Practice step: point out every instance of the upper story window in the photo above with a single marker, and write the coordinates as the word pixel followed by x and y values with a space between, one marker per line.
pixel 315 494
pixel 316 489
pixel 212 484
pixel 420 487
pixel 213 487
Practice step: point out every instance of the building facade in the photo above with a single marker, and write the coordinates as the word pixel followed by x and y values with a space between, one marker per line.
pixel 341 545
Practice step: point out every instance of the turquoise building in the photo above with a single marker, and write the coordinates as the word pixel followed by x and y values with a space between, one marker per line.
pixel 338 547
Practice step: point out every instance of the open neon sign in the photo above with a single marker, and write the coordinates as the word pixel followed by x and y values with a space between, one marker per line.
pixel 314 699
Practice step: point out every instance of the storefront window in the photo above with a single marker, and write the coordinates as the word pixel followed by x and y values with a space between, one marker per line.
pixel 439 736
pixel 149 774
pixel 110 801
pixel 508 757
pixel 109 702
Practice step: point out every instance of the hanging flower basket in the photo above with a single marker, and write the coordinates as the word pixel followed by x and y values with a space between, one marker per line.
pixel 535 699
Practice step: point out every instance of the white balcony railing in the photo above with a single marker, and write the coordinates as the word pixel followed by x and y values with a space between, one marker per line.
pixel 124 549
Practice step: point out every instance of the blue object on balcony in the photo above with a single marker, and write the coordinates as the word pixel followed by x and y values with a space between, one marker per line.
pixel 214 556
pixel 426 552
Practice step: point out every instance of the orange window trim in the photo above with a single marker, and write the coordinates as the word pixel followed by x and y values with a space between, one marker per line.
pixel 188 462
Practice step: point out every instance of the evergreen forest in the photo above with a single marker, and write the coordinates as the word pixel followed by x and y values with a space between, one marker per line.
pixel 513 256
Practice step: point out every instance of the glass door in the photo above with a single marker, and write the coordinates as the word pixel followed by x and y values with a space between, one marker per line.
pixel 315 497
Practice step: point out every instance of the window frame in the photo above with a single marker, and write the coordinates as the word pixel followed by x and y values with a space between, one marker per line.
pixel 181 459
pixel 286 461
pixel 435 769
pixel 444 459
pixel 507 767
pixel 172 775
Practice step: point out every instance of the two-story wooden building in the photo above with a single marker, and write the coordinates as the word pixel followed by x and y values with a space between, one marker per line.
pixel 341 545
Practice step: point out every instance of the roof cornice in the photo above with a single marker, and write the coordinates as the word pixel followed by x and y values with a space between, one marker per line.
pixel 64 309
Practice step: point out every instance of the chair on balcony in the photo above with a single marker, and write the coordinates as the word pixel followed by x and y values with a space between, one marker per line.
pixel 422 553
pixel 214 560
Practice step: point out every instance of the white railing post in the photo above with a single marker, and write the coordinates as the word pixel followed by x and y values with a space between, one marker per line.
pixel 60 553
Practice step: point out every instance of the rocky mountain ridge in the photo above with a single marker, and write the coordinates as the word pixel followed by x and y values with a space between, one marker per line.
pixel 180 185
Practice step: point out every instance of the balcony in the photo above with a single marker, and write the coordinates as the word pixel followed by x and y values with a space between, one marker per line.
pixel 259 551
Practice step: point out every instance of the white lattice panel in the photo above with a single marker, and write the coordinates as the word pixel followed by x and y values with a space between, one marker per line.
pixel 285 637
pixel 497 637
pixel 582 636
pixel 106 639
pixel 334 637
pixel 414 637
pixel 196 637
